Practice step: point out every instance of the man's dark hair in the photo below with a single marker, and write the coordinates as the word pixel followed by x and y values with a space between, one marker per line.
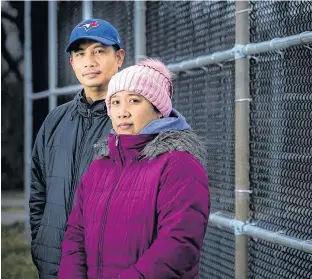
pixel 116 47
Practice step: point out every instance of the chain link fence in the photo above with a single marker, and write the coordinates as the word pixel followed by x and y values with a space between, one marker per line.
pixel 280 116
pixel 280 139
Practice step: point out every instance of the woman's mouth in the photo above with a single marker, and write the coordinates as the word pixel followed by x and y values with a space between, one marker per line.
pixel 124 126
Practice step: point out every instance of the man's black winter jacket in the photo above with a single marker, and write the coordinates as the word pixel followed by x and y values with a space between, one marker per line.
pixel 63 150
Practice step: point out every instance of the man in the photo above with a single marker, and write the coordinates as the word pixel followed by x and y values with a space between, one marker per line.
pixel 64 146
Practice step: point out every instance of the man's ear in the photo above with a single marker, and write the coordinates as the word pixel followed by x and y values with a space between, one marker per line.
pixel 71 62
pixel 120 57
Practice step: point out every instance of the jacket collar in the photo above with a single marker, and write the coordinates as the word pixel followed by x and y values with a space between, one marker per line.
pixel 127 147
pixel 139 147
pixel 98 108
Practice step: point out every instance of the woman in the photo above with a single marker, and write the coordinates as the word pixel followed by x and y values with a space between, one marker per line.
pixel 142 208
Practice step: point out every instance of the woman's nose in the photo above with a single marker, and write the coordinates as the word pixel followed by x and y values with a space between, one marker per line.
pixel 123 112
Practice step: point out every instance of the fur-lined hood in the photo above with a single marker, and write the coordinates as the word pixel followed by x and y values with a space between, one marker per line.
pixel 185 140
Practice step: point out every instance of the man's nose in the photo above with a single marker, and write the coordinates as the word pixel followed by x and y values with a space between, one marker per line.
pixel 90 60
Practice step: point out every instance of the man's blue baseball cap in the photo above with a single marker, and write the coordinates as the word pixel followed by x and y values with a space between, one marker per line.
pixel 96 30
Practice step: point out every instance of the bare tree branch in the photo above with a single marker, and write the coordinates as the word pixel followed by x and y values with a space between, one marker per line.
pixel 8 16
pixel 7 56
pixel 4 75
pixel 19 6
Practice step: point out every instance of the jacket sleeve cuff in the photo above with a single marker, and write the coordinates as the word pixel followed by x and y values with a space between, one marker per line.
pixel 130 273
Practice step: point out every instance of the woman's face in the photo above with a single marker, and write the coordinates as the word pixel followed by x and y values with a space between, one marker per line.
pixel 131 112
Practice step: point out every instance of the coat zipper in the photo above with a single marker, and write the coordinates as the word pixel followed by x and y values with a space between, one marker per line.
pixel 79 157
pixel 83 141
pixel 116 140
pixel 119 151
pixel 104 220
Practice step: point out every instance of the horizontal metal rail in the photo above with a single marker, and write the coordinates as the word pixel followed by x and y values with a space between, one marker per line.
pixel 253 231
pixel 241 50
pixel 57 91
pixel 215 58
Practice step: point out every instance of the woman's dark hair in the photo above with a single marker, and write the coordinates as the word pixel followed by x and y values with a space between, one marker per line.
pixel 156 109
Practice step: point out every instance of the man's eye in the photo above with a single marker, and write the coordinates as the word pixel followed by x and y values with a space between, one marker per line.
pixel 99 51
pixel 79 54
pixel 114 102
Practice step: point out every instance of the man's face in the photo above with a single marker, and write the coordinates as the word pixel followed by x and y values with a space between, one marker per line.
pixel 94 64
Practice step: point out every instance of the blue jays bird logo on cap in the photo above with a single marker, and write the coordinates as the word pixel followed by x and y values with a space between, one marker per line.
pixel 88 26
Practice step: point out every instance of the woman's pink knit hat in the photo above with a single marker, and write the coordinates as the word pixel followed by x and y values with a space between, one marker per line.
pixel 150 78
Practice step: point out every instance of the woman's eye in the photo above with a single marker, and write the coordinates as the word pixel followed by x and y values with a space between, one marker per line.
pixel 134 100
pixel 114 102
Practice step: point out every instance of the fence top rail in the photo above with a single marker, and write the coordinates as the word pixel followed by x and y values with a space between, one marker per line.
pixel 200 62
pixel 239 51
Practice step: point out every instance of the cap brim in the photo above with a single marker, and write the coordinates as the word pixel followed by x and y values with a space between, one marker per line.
pixel 104 41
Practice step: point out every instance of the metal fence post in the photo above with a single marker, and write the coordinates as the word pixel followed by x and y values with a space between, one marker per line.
pixel 242 99
pixel 139 31
pixel 28 127
pixel 52 53
pixel 87 9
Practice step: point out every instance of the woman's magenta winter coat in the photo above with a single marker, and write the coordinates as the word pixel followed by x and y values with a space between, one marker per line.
pixel 141 211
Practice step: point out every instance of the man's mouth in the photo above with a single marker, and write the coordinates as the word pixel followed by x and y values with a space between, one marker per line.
pixel 91 74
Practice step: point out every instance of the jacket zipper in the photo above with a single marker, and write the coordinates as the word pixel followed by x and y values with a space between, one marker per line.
pixel 119 151
pixel 116 140
pixel 83 141
pixel 80 151
pixel 104 220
